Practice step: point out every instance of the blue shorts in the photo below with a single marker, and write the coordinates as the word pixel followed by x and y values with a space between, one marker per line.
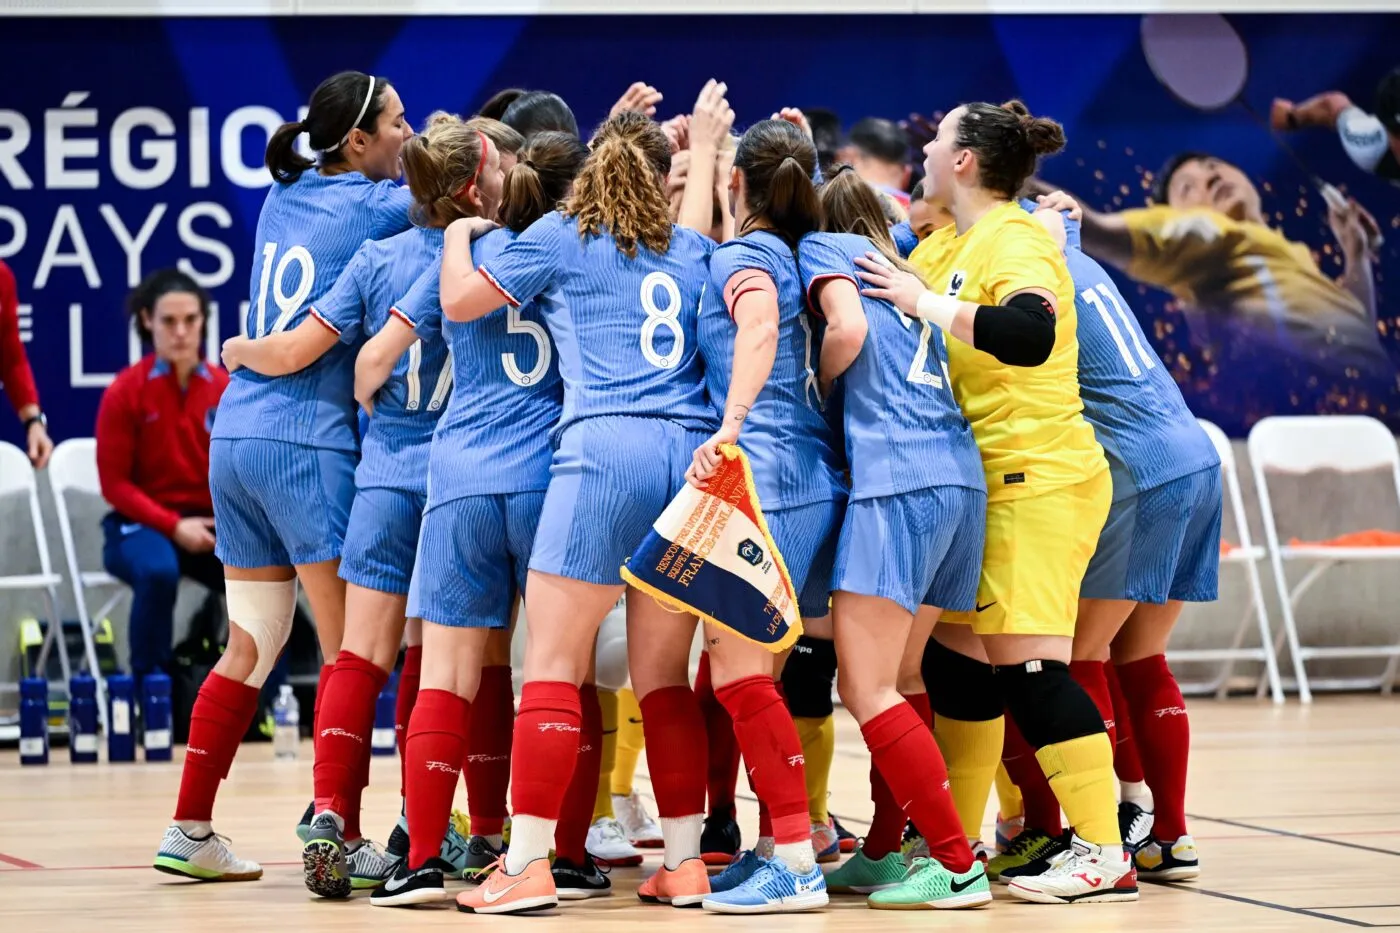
pixel 1162 543
pixel 278 504
pixel 472 555
pixel 382 539
pixel 610 479
pixel 806 536
pixel 916 548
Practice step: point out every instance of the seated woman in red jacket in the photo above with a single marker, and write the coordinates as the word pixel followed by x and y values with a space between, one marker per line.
pixel 153 459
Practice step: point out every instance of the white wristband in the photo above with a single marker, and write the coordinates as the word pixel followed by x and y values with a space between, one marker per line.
pixel 940 309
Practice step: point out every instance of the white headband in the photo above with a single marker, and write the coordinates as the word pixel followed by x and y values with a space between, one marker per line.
pixel 364 108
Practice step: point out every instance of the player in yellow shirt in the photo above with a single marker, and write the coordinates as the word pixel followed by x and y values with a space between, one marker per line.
pixel 1254 299
pixel 1002 294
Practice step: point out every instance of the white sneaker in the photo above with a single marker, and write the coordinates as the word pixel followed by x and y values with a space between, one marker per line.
pixel 641 829
pixel 369 865
pixel 1086 874
pixel 607 843
pixel 205 859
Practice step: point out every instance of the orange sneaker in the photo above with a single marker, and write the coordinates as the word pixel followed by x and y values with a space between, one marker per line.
pixel 500 893
pixel 686 886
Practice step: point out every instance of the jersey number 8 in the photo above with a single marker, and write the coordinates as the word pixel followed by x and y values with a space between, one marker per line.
pixel 657 318
pixel 287 305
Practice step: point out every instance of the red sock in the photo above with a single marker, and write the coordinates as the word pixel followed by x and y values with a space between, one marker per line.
pixel 674 731
pixel 1126 763
pixel 903 748
pixel 488 751
pixel 222 712
pixel 435 742
pixel 344 722
pixel 1042 809
pixel 722 774
pixel 1090 675
pixel 1164 740
pixel 316 704
pixel 571 833
pixel 769 743
pixel 887 825
pixel 545 750
pixel 403 706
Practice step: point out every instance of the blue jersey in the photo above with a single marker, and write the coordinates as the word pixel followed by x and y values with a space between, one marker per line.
pixel 904 430
pixel 307 233
pixel 1148 434
pixel 788 441
pixel 394 452
pixel 624 328
pixel 905 239
pixel 494 437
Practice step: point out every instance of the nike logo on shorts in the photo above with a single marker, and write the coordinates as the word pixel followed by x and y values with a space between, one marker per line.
pixel 986 607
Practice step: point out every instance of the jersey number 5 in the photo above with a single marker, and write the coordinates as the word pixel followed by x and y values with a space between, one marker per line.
pixel 658 318
pixel 287 305
pixel 544 351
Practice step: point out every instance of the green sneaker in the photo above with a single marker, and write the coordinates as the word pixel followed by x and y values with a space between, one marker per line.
pixel 1030 845
pixel 927 885
pixel 860 874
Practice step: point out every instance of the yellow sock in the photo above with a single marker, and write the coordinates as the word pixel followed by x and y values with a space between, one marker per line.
pixel 818 738
pixel 1009 802
pixel 629 741
pixel 602 803
pixel 1080 773
pixel 972 751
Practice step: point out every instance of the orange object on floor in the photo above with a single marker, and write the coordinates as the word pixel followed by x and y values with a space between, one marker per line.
pixel 1371 538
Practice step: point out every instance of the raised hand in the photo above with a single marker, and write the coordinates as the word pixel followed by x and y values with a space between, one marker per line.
pixel 712 118
pixel 640 96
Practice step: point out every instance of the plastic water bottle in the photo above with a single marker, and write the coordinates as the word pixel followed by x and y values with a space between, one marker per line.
pixel 34 721
pixel 382 740
pixel 286 716
pixel 121 739
pixel 82 719
pixel 155 717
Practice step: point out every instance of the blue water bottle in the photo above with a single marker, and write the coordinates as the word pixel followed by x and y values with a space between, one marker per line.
pixel 34 721
pixel 82 719
pixel 155 716
pixel 382 739
pixel 121 738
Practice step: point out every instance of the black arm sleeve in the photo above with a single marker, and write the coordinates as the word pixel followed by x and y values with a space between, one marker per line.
pixel 1019 333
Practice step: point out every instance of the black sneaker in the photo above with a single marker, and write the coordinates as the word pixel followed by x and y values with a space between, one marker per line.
pixel 406 887
pixel 324 868
pixel 397 846
pixel 1135 825
pixel 1045 849
pixel 304 824
pixel 481 855
pixel 844 837
pixel 720 840
pixel 578 882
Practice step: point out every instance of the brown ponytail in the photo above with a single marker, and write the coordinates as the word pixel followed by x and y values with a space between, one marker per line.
pixel 440 163
pixel 621 187
pixel 850 205
pixel 778 161
pixel 541 179
pixel 1007 140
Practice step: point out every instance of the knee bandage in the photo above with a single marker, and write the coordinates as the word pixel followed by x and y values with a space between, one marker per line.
pixel 1048 706
pixel 610 658
pixel 960 687
pixel 807 677
pixel 264 611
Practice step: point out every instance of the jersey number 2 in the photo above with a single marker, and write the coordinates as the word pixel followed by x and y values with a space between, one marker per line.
pixel 287 305
pixel 918 367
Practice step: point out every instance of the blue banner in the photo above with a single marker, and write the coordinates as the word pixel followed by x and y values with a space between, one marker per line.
pixel 131 144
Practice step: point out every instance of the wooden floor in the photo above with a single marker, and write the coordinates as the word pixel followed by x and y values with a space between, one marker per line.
pixel 1296 812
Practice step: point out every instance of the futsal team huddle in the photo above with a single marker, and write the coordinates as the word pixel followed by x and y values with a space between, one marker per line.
pixel 984 487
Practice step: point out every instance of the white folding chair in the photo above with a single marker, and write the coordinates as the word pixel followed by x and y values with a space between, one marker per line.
pixel 1301 444
pixel 17 478
pixel 73 468
pixel 1246 555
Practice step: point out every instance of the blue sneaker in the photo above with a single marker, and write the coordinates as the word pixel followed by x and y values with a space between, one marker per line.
pixel 773 889
pixel 739 870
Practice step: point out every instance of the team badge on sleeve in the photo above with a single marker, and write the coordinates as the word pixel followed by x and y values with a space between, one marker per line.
pixel 710 553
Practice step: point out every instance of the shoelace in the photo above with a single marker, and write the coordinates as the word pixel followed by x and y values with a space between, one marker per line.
pixel 1062 863
pixel 1026 841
